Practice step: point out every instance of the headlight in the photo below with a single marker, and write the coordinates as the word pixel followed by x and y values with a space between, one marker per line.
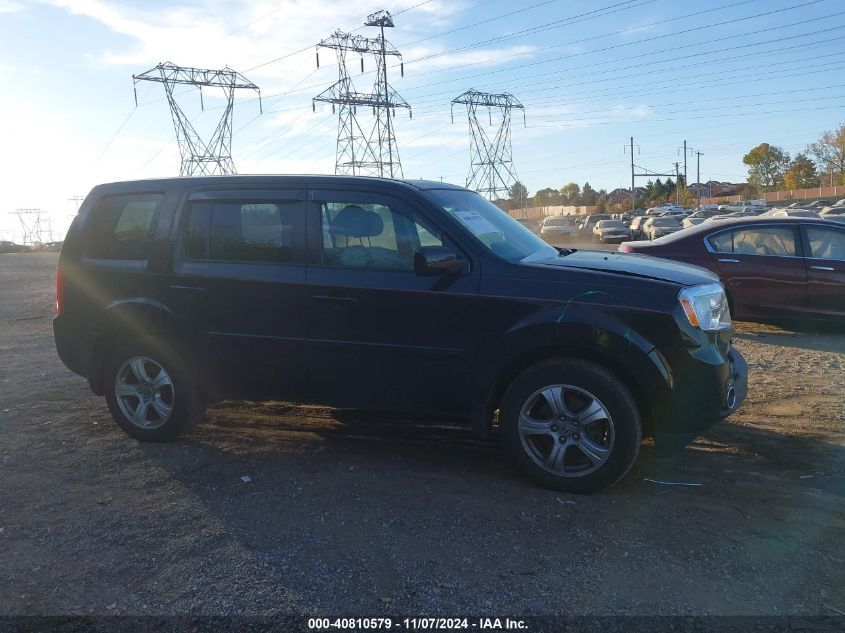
pixel 706 307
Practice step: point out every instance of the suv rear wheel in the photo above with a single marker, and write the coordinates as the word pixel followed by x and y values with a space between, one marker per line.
pixel 571 425
pixel 150 393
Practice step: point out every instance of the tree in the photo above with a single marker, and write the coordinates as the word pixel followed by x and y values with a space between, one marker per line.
pixel 766 166
pixel 588 195
pixel 829 152
pixel 518 194
pixel 601 201
pixel 546 197
pixel 801 173
pixel 571 193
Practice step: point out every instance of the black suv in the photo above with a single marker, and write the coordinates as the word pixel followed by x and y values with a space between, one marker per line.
pixel 409 296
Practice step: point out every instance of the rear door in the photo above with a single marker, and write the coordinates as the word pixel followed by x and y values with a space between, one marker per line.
pixel 762 267
pixel 117 265
pixel 380 336
pixel 825 248
pixel 238 283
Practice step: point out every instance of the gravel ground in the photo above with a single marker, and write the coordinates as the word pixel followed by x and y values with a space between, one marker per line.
pixel 367 515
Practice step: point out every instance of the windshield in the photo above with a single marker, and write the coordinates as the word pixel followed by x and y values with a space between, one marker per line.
pixel 499 232
pixel 665 222
pixel 612 224
pixel 556 222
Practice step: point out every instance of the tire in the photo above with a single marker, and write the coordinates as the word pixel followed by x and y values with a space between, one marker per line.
pixel 595 454
pixel 172 402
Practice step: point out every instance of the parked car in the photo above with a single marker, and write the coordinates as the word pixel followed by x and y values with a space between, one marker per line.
pixel 662 208
pixel 680 214
pixel 831 211
pixel 371 293
pixel 11 247
pixel 770 267
pixel 607 231
pixel 792 213
pixel 698 217
pixel 636 227
pixel 817 205
pixel 658 227
pixel 756 206
pixel 591 220
pixel 732 216
pixel 557 227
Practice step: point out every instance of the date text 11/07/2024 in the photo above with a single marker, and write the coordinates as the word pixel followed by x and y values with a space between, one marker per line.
pixel 417 624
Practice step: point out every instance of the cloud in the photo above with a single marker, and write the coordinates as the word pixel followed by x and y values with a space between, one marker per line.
pixel 10 6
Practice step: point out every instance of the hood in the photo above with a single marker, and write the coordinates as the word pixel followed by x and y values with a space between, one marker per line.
pixel 634 265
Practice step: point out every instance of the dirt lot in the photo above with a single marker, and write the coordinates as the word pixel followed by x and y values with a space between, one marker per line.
pixel 368 517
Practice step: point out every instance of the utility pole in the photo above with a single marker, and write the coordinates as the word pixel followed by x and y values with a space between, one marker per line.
pixel 677 185
pixel 685 164
pixel 492 172
pixel 698 156
pixel 633 190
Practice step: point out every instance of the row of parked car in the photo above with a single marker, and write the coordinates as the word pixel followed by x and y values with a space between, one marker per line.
pixel 665 219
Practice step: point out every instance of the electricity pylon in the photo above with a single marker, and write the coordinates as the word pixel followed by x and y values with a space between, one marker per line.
pixel 373 152
pixel 491 172
pixel 36 228
pixel 199 157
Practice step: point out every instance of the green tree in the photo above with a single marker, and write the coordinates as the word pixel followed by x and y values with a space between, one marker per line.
pixel 588 195
pixel 767 165
pixel 601 201
pixel 518 193
pixel 829 152
pixel 801 173
pixel 546 197
pixel 570 193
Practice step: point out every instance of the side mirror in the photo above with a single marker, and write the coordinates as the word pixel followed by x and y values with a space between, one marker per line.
pixel 436 261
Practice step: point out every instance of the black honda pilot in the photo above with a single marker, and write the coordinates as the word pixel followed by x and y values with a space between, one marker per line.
pixel 408 296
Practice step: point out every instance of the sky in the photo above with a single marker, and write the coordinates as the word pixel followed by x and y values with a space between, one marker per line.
pixel 724 75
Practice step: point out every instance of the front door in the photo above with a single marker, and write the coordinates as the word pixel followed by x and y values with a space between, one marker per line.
pixel 380 336
pixel 825 270
pixel 762 269
pixel 239 279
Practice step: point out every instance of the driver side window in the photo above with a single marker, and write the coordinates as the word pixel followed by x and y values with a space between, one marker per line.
pixel 372 235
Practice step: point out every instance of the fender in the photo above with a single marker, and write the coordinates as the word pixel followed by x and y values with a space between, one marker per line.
pixel 126 319
pixel 594 332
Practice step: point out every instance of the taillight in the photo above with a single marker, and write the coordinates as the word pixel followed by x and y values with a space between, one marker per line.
pixel 58 290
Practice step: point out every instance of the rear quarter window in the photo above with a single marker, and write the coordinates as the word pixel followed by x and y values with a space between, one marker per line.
pixel 122 226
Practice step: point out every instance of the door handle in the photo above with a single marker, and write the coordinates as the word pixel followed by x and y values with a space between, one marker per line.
pixel 728 260
pixel 335 302
pixel 822 267
pixel 189 290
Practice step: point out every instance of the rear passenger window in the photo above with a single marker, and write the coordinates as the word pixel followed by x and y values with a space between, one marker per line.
pixel 243 231
pixel 122 226
pixel 772 241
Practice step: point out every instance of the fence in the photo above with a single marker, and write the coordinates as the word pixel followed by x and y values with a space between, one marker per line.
pixel 835 193
pixel 533 213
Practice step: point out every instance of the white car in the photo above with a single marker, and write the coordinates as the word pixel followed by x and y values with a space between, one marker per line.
pixel 558 226
pixel 658 227
pixel 679 213
pixel 792 213
pixel 661 208
pixel 744 205
pixel 611 231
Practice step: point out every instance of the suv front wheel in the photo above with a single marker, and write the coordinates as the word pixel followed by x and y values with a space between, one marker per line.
pixel 151 394
pixel 571 425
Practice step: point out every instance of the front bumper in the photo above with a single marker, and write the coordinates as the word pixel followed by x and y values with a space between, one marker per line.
pixel 705 386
